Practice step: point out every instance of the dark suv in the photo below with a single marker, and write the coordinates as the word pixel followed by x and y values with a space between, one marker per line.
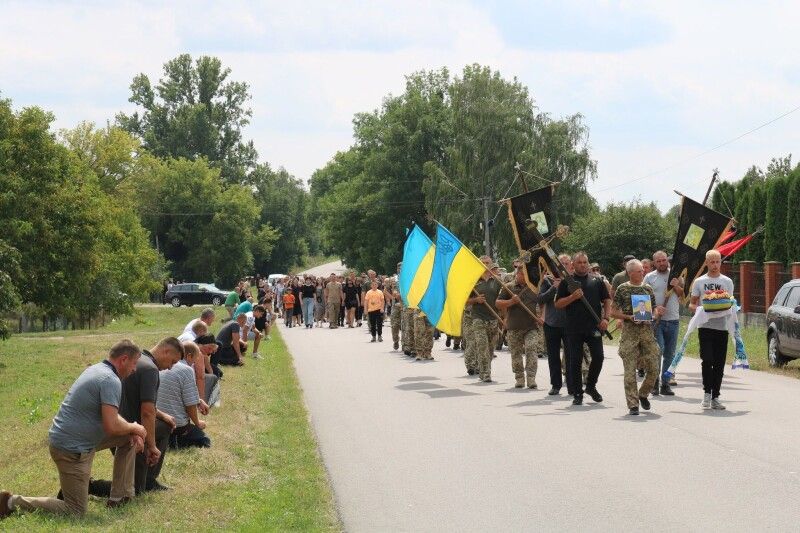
pixel 194 293
pixel 783 325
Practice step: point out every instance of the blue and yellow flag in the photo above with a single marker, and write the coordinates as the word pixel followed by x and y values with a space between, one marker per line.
pixel 455 272
pixel 417 266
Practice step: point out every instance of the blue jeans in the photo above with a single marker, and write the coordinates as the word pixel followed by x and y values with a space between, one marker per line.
pixel 666 332
pixel 308 312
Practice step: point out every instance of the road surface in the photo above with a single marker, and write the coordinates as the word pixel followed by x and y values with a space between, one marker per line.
pixel 421 446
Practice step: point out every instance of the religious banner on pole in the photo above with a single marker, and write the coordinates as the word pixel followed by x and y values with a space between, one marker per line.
pixel 531 218
pixel 700 229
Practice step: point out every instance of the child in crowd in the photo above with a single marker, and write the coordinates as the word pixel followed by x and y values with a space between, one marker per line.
pixel 288 307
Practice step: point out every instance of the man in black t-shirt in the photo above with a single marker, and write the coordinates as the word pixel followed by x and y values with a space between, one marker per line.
pixel 581 327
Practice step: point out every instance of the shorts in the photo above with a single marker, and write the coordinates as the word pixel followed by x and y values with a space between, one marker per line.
pixel 350 305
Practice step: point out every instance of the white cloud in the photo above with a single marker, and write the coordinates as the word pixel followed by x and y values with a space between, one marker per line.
pixel 721 69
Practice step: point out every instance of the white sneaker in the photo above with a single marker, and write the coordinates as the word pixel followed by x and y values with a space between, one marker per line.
pixel 716 404
pixel 706 401
pixel 257 355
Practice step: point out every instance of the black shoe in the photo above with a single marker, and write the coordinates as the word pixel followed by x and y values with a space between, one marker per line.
pixel 578 399
pixel 406 352
pixel 645 403
pixel 554 392
pixel 666 390
pixel 156 486
pixel 447 342
pixel 470 372
pixel 97 487
pixel 373 339
pixel 640 372
pixel 396 345
pixel 634 411
pixel 594 394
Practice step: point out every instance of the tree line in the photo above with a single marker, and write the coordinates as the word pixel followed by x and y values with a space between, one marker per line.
pixel 766 202
pixel 95 218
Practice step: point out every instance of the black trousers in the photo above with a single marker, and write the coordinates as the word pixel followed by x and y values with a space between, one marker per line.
pixel 574 346
pixel 553 338
pixel 187 436
pixel 144 475
pixel 713 351
pixel 376 323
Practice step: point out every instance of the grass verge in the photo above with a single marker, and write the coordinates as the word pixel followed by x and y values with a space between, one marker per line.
pixel 262 473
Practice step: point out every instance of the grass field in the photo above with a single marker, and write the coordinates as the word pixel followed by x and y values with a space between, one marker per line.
pixel 262 473
pixel 755 344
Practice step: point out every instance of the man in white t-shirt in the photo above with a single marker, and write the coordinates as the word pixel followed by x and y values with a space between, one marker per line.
pixel 198 329
pixel 665 329
pixel 207 316
pixel 713 335
pixel 250 332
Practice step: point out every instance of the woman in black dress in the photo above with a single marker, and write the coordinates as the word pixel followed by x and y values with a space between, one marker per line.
pixel 352 299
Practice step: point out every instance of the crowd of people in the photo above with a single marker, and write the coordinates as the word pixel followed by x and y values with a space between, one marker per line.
pixel 141 403
pixel 564 322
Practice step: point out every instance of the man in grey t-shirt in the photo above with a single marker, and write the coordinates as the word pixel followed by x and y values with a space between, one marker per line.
pixel 89 420
pixel 713 335
pixel 665 329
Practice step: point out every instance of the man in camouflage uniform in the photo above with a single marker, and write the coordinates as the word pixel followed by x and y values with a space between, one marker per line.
pixel 396 316
pixel 637 345
pixel 523 331
pixel 484 322
pixel 407 326
pixel 333 297
pixel 470 360
pixel 423 336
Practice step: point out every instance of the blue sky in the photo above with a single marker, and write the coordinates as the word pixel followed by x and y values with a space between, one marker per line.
pixel 657 82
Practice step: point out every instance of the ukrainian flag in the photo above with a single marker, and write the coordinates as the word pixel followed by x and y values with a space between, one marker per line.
pixel 415 273
pixel 455 272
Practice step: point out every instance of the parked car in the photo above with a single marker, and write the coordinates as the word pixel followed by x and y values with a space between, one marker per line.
pixel 783 325
pixel 195 293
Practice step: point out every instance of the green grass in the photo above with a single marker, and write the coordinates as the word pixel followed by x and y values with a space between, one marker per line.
pixel 262 473
pixel 755 344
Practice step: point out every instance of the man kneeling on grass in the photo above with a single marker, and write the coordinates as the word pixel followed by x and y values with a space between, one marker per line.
pixel 178 397
pixel 88 420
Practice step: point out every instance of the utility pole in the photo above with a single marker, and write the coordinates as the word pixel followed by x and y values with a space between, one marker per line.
pixel 487 239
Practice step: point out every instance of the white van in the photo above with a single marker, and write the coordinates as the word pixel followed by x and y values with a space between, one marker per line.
pixel 272 279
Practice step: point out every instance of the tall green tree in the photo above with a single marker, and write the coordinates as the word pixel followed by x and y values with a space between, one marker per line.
pixel 723 200
pixel 194 111
pixel 756 218
pixel 9 295
pixel 619 229
pixel 776 216
pixel 793 217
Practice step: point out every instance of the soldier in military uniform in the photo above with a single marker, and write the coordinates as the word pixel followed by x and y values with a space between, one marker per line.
pixel 396 316
pixel 407 326
pixel 484 322
pixel 333 297
pixel 524 332
pixel 470 360
pixel 637 345
pixel 423 336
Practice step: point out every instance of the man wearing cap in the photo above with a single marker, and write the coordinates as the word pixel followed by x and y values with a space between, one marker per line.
pixel 484 321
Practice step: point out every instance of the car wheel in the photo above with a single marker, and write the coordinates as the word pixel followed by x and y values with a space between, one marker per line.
pixel 176 302
pixel 216 301
pixel 773 352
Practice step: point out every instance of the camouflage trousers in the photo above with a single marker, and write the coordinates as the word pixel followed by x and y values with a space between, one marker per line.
pixel 484 337
pixel 423 337
pixel 396 319
pixel 525 344
pixel 333 315
pixel 407 325
pixel 470 360
pixel 638 349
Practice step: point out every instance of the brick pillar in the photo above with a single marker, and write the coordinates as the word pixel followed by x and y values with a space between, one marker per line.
pixel 795 270
pixel 746 269
pixel 726 269
pixel 772 270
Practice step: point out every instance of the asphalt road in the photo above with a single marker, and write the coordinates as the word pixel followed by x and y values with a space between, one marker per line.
pixel 421 446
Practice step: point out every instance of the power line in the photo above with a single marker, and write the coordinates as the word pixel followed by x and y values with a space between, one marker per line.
pixel 697 156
